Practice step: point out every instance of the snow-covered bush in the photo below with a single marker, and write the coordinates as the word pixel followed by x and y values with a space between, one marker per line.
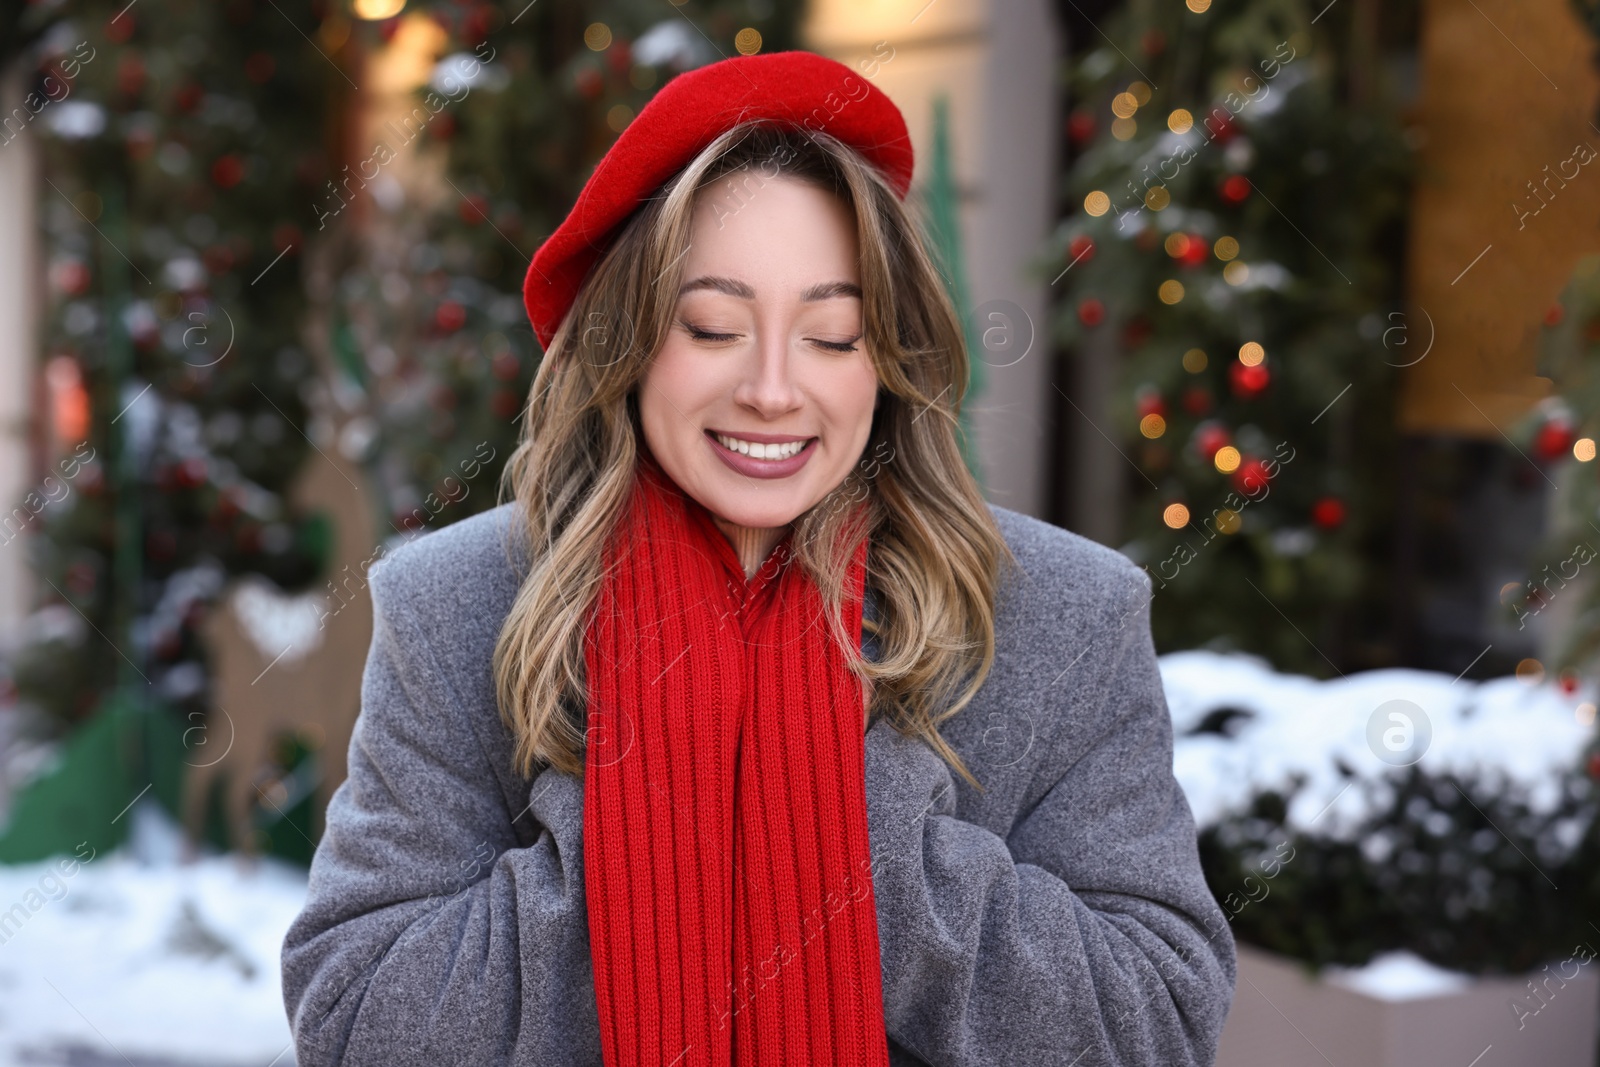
pixel 1464 830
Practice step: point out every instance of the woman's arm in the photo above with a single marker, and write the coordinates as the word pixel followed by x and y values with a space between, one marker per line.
pixel 1088 936
pixel 429 936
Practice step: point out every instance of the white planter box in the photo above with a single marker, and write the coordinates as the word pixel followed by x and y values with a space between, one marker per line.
pixel 1394 1015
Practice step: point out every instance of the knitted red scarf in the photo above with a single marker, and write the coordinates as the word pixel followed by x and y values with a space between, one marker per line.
pixel 727 864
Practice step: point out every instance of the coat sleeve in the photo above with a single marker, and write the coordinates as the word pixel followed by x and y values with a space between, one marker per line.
pixel 1087 936
pixel 428 935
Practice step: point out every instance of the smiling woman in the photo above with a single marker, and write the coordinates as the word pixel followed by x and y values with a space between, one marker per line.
pixel 708 692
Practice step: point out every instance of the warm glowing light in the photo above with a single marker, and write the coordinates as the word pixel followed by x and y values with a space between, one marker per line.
pixel 1171 291
pixel 1175 516
pixel 1140 92
pixel 1583 449
pixel 377 9
pixel 1235 273
pixel 1531 671
pixel 1199 7
pixel 597 37
pixel 1227 459
pixel 1176 244
pixel 747 41
pixel 1251 353
pixel 1097 203
pixel 1152 426
pixel 1194 361
pixel 1123 105
pixel 1229 521
pixel 1180 121
pixel 1157 198
pixel 1226 248
pixel 1584 713
pixel 1124 129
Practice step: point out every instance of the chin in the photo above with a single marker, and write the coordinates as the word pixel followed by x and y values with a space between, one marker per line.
pixel 757 518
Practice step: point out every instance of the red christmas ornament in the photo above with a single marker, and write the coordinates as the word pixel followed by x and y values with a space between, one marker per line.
pixel 1553 440
pixel 473 209
pixel 1196 400
pixel 258 67
pixel 80 578
pixel 130 74
pixel 119 29
pixel 188 98
pixel 1194 251
pixel 619 56
pixel 1209 438
pixel 504 404
pixel 1220 125
pixel 1136 332
pixel 227 171
pixel 1246 381
pixel 506 367
pixel 450 317
pixel 1081 249
pixel 1250 476
pixel 1234 188
pixel 1147 401
pixel 1080 126
pixel 72 277
pixel 1554 316
pixel 191 473
pixel 1328 512
pixel 1091 312
pixel 218 258
pixel 589 82
pixel 1568 682
pixel 475 27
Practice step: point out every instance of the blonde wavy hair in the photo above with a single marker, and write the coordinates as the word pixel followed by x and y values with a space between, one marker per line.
pixel 936 550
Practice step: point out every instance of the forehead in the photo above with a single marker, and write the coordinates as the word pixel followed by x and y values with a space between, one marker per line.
pixel 775 234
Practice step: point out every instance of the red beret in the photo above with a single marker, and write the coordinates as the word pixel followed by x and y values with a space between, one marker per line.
pixel 791 88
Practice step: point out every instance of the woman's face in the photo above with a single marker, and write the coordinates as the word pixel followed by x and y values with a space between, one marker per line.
pixel 765 348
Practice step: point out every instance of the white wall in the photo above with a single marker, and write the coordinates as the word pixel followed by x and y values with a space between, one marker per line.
pixel 20 295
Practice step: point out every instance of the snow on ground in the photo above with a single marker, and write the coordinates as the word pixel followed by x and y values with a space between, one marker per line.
pixel 135 958
pixel 1523 733
pixel 1398 976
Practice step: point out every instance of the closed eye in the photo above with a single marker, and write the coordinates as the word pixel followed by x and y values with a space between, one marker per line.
pixel 839 346
pixel 701 335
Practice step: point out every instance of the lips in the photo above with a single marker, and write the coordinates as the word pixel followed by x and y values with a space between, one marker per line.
pixel 752 467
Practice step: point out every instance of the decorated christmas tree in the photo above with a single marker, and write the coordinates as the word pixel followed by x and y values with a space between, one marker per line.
pixel 1237 179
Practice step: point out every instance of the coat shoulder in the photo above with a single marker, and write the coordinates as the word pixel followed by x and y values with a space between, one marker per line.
pixel 459 569
pixel 1059 566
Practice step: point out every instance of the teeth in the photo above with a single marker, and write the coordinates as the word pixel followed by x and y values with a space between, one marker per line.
pixel 756 450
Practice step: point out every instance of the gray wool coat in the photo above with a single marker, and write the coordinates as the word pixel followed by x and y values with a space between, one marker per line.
pixel 1058 919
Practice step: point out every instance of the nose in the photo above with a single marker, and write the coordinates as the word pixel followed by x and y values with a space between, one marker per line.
pixel 767 385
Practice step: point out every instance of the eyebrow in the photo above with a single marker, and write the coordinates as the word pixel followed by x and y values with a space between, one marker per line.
pixel 734 287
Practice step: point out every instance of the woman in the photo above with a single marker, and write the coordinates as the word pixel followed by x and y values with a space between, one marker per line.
pixel 748 732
